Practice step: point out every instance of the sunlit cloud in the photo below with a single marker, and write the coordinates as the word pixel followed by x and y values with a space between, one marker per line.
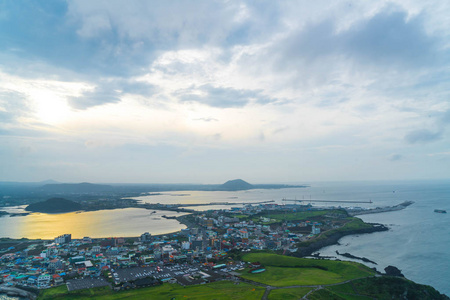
pixel 333 89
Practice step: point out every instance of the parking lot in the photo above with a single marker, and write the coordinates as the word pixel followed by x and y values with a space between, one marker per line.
pixel 166 272
pixel 85 283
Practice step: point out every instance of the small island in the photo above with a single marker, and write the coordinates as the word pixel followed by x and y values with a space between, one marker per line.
pixel 236 185
pixel 54 205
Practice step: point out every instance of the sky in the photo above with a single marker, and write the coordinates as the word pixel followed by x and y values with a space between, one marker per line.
pixel 207 91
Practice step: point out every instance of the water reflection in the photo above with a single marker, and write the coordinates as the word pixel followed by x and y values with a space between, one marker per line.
pixel 103 223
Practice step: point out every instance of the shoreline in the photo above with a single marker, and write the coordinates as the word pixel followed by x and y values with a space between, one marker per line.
pixel 334 238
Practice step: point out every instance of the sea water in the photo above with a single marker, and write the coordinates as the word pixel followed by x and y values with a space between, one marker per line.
pixel 418 240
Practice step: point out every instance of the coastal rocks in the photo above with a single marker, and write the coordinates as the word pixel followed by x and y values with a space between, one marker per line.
pixel 317 255
pixel 18 214
pixel 348 255
pixel 393 271
pixel 355 212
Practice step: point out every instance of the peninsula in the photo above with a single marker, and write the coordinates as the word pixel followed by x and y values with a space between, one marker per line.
pixel 54 205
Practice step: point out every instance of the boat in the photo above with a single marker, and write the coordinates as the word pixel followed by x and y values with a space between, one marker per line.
pixel 441 211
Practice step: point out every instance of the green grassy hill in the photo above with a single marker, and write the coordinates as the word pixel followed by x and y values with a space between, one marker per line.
pixel 54 205
pixel 288 271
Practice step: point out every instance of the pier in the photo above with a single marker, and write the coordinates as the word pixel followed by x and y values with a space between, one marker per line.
pixel 182 207
pixel 222 203
pixel 335 201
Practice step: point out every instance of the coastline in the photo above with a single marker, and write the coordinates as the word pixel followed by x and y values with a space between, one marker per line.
pixel 334 238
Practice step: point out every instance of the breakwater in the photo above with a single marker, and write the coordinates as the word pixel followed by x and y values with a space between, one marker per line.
pixel 362 211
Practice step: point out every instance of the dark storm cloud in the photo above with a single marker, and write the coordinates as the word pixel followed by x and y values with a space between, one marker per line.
pixel 422 136
pixel 223 97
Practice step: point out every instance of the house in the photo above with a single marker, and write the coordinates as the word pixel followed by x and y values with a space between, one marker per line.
pixel 57 279
pixel 43 281
pixel 32 280
pixel 55 264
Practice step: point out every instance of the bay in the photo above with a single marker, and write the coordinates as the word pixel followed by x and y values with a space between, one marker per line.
pixel 125 222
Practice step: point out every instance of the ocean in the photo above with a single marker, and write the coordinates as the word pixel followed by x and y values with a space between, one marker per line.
pixel 418 240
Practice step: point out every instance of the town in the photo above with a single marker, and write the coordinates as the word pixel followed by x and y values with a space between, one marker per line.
pixel 209 249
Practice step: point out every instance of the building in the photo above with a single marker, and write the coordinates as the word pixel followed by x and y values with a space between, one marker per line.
pixel 55 264
pixel 87 239
pixel 63 239
pixel 44 281
pixel 315 230
pixel 185 245
pixel 146 237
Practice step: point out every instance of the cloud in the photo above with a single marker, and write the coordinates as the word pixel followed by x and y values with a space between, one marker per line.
pixel 96 97
pixel 395 157
pixel 13 105
pixel 230 23
pixel 221 77
pixel 206 119
pixel 440 154
pixel 422 136
pixel 223 97
pixel 321 51
pixel 110 91
pixel 445 118
pixel 390 38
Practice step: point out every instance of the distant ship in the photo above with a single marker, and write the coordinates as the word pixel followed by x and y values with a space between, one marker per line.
pixel 441 211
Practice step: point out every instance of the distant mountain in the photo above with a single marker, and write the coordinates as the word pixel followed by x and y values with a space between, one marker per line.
pixel 78 188
pixel 48 181
pixel 236 185
pixel 54 205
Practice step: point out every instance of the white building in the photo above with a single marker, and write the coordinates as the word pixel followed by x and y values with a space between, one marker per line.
pixel 185 245
pixel 315 230
pixel 44 281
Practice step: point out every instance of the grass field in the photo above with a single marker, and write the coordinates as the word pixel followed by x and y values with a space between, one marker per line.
pixel 377 288
pixel 288 294
pixel 352 224
pixel 61 292
pixel 218 290
pixel 298 216
pixel 286 271
pixel 324 294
